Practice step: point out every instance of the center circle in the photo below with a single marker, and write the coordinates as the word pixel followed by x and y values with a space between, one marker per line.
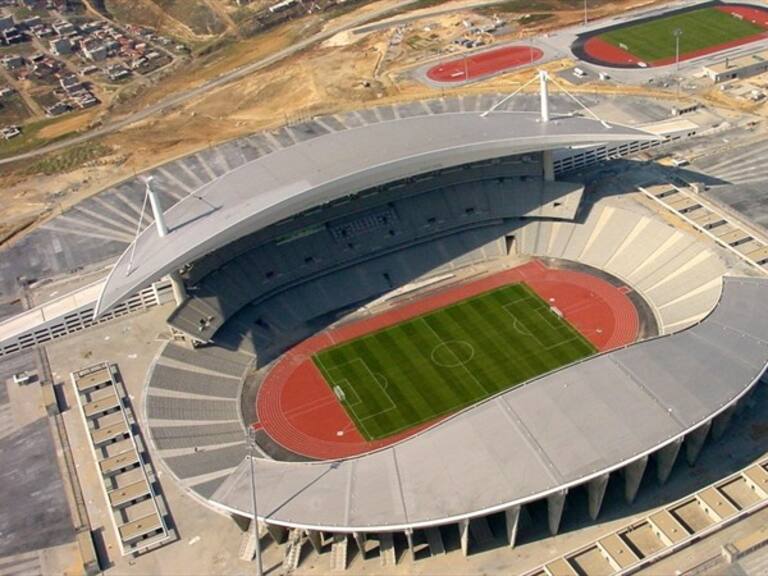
pixel 452 353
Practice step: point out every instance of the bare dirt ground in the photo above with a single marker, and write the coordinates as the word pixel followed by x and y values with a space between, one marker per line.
pixel 191 20
pixel 332 77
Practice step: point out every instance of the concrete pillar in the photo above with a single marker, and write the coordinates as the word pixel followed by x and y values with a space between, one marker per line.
pixel 360 541
pixel 339 552
pixel 315 538
pixel 435 541
pixel 177 285
pixel 156 293
pixel 512 516
pixel 596 491
pixel 387 552
pixel 548 163
pixel 464 536
pixel 555 505
pixel 633 476
pixel 411 549
pixel 278 533
pixel 665 460
pixel 721 421
pixel 481 531
pixel 694 442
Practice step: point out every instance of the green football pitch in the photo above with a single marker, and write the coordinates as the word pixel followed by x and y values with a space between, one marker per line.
pixel 701 29
pixel 435 364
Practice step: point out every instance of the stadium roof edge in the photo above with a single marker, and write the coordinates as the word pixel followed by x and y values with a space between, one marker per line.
pixel 337 164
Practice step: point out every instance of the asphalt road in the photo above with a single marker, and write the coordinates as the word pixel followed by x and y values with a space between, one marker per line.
pixel 188 95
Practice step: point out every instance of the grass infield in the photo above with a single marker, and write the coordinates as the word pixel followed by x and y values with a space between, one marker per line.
pixel 704 28
pixel 435 364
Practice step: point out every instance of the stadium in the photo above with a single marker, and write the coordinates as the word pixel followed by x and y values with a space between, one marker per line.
pixel 426 332
pixel 673 36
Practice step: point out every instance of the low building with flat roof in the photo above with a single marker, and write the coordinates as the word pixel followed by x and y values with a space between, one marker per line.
pixel 740 67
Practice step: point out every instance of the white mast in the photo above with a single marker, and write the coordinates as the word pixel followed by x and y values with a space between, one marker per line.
pixel 157 209
pixel 544 95
pixel 177 283
pixel 547 160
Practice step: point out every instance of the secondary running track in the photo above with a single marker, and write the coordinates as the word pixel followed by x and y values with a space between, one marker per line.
pixel 299 411
pixel 482 64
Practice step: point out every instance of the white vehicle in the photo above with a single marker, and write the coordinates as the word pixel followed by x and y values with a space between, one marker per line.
pixel 579 73
pixel 679 162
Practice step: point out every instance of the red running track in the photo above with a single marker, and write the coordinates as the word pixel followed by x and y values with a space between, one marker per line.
pixel 300 412
pixel 606 53
pixel 484 63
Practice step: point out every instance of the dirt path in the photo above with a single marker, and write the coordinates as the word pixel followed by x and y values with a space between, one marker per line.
pixel 29 102
pixel 219 10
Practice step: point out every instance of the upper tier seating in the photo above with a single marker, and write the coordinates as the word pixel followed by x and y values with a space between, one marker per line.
pixel 352 251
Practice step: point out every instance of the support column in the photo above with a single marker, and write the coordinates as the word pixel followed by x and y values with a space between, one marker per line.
pixel 633 476
pixel 360 541
pixel 481 531
pixel 512 516
pixel 315 538
pixel 339 549
pixel 177 285
pixel 694 442
pixel 548 163
pixel 411 549
pixel 721 422
pixel 464 536
pixel 555 505
pixel 435 541
pixel 596 491
pixel 665 460
pixel 278 533
pixel 387 552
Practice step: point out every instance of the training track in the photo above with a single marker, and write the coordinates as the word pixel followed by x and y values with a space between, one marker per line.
pixel 591 48
pixel 485 63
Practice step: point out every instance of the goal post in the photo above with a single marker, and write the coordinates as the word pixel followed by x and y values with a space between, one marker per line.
pixel 339 393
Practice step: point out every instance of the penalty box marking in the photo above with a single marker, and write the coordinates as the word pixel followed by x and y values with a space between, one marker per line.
pixel 348 390
pixel 545 313
pixel 347 386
